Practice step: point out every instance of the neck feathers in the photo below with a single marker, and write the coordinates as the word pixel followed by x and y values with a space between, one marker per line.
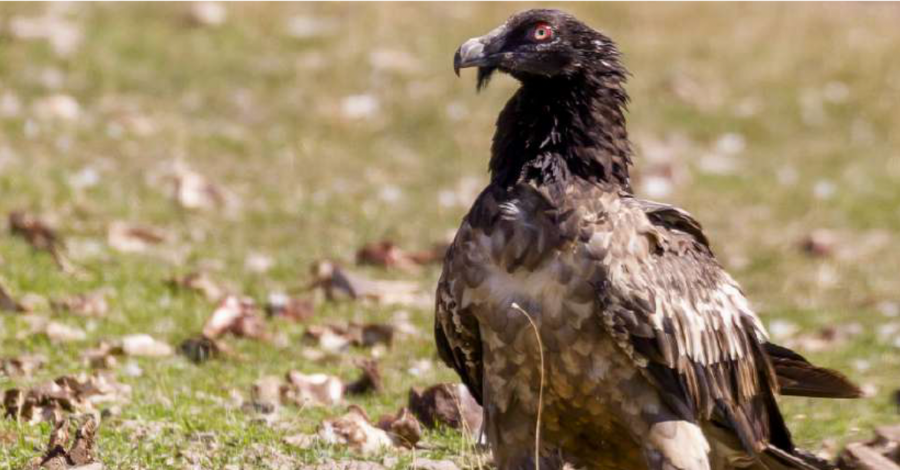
pixel 555 129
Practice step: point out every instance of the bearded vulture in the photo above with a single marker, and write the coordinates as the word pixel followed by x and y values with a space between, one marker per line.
pixel 598 329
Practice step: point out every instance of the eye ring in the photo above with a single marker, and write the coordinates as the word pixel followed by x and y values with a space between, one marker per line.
pixel 542 32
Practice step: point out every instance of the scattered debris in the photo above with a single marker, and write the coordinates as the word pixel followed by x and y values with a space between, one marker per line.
pixel 355 431
pixel 131 238
pixel 880 453
pixel 238 316
pixel 258 263
pixel 448 404
pixel 58 107
pixel 820 243
pixel 57 332
pixel 207 14
pixel 828 337
pixel 91 304
pixel 40 235
pixel 313 389
pixel 144 345
pixel 338 283
pixel 81 455
pixel 7 302
pixel 369 381
pixel 388 255
pixel 22 365
pixel 403 428
pixel 193 191
pixel 336 337
pixel 64 36
pixel 67 394
pixel 200 282
pixel 200 349
pixel 291 308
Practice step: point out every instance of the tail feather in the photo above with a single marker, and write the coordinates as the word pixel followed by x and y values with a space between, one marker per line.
pixel 798 377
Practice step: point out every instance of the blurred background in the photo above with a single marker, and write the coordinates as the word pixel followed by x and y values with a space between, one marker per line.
pixel 250 141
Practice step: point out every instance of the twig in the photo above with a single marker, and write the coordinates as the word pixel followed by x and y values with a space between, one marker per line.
pixel 537 424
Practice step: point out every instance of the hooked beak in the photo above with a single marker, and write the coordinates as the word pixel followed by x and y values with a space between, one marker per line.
pixel 482 52
pixel 470 54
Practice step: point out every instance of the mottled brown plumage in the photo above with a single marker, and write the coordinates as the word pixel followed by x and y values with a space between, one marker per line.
pixel 652 357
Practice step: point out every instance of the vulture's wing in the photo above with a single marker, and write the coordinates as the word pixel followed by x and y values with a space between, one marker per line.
pixel 685 322
pixel 456 329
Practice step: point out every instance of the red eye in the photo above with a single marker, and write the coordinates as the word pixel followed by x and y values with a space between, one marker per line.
pixel 542 32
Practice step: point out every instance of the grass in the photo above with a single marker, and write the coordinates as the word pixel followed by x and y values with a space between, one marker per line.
pixel 812 89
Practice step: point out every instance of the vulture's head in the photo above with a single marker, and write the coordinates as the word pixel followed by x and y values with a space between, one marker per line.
pixel 537 45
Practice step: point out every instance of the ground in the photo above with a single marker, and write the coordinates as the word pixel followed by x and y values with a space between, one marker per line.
pixel 330 126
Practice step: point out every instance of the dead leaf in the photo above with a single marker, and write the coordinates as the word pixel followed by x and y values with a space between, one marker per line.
pixel 22 365
pixel 40 235
pixel 354 431
pixel 207 14
pixel 238 316
pixel 50 401
pixel 7 302
pixel 193 191
pixel 143 345
pixel 64 35
pixel 258 263
pixel 336 337
pixel 338 283
pixel 403 428
pixel 859 456
pixel 303 441
pixel 266 394
pixel 828 337
pixel 62 333
pixel 820 243
pixel 131 238
pixel 80 455
pixel 199 281
pixel 91 304
pixel 369 381
pixel 385 254
pixel 290 308
pixel 313 389
pixel 448 404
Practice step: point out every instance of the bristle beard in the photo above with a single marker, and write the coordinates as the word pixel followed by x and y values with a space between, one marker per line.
pixel 484 77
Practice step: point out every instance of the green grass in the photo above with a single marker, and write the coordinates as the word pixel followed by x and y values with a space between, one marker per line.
pixel 259 112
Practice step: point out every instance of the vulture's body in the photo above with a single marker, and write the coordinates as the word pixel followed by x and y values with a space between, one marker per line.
pixel 567 301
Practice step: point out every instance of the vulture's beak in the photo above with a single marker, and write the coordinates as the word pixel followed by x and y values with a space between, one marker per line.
pixel 481 51
pixel 470 54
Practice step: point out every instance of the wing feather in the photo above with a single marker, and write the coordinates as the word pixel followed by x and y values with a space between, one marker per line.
pixel 688 326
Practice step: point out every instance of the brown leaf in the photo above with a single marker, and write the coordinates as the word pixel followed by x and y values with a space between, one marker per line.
pixel 200 282
pixel 337 337
pixel 194 191
pixel 80 455
pixel 355 431
pixel 91 304
pixel 859 456
pixel 403 428
pixel 131 238
pixel 448 404
pixel 387 255
pixel 266 394
pixel 313 389
pixel 21 365
pixel 238 316
pixel 820 243
pixel 338 283
pixel 40 235
pixel 369 381
pixel 294 309
pixel 67 394
pixel 7 302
